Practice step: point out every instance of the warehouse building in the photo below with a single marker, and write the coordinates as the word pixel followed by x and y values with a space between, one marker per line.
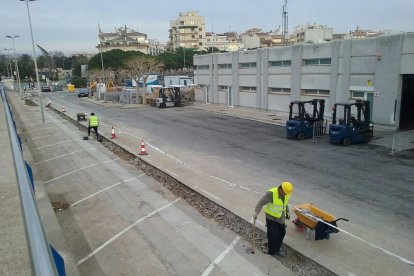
pixel 379 69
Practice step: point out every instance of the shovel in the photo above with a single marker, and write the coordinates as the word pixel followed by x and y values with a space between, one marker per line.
pixel 253 236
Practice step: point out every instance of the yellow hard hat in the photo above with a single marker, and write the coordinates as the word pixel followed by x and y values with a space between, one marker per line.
pixel 287 187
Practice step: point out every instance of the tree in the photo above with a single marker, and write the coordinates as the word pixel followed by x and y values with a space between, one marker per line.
pixel 77 62
pixel 115 59
pixel 140 67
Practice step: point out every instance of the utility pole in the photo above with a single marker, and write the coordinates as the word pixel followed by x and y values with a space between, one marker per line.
pixel 285 31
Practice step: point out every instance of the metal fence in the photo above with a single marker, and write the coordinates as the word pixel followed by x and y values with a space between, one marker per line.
pixel 39 250
pixel 402 141
pixel 319 129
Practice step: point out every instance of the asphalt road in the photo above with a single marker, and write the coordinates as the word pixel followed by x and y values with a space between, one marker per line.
pixel 362 183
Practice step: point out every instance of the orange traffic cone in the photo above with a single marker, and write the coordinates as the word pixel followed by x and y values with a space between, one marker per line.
pixel 113 135
pixel 143 150
pixel 63 108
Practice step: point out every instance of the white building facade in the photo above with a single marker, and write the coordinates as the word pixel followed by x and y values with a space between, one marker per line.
pixel 379 69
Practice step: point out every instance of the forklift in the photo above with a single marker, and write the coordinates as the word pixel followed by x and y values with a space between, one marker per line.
pixel 348 128
pixel 168 97
pixel 301 124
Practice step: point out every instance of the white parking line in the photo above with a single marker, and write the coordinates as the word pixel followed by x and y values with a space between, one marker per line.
pixel 210 194
pixel 37 130
pixel 41 137
pixel 50 145
pixel 63 155
pixel 101 191
pixel 94 252
pixel 66 174
pixel 221 256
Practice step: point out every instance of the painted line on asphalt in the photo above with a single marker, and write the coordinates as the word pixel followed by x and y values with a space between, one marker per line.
pixel 50 145
pixel 63 155
pixel 98 249
pixel 231 184
pixel 101 191
pixel 210 194
pixel 41 137
pixel 37 130
pixel 83 168
pixel 221 256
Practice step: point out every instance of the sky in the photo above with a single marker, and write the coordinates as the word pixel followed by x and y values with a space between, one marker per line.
pixel 71 26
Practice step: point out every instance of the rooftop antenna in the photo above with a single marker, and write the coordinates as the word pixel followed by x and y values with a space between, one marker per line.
pixel 285 31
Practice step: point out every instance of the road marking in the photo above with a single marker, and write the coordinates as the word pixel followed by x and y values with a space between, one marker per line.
pixel 63 155
pixel 41 137
pixel 170 172
pixel 101 191
pixel 42 147
pixel 37 130
pixel 66 174
pixel 232 185
pixel 221 256
pixel 94 252
pixel 210 194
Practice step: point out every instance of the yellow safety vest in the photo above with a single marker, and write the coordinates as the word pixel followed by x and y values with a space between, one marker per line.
pixel 93 121
pixel 277 207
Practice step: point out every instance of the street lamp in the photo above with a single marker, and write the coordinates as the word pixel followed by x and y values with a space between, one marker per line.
pixel 8 61
pixel 15 62
pixel 35 62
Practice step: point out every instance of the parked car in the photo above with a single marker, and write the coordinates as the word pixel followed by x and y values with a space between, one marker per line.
pixel 46 88
pixel 83 92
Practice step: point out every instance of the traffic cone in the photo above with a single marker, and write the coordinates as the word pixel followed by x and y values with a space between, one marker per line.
pixel 113 135
pixel 143 150
pixel 63 108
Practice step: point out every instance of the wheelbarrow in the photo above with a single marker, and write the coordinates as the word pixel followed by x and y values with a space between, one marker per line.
pixel 311 218
pixel 81 117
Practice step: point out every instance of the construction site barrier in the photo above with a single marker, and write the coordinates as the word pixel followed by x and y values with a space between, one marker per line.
pixel 402 141
pixel 40 253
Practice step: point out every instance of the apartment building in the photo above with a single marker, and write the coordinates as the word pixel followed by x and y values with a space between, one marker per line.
pixel 127 39
pixel 379 69
pixel 312 34
pixel 188 31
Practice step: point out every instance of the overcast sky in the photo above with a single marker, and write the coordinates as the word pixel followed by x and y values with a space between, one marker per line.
pixel 71 26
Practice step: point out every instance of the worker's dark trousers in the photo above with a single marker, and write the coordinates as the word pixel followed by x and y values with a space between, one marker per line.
pixel 275 235
pixel 95 128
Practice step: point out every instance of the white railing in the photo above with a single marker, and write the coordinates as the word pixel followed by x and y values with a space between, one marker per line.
pixel 402 141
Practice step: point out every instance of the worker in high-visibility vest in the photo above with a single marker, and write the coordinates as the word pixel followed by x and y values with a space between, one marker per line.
pixel 277 211
pixel 93 123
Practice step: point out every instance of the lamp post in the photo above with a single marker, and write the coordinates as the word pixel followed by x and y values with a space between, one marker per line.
pixel 12 37
pixel 35 62
pixel 8 61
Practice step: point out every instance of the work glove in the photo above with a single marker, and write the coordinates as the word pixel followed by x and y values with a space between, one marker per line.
pixel 254 216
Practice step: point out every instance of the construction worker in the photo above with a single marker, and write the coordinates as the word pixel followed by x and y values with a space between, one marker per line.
pixel 277 211
pixel 93 122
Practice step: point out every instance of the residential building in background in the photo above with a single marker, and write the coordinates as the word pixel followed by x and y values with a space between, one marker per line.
pixel 127 39
pixel 312 34
pixel 188 31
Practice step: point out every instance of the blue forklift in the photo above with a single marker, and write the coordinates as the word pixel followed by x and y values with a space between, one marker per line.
pixel 301 123
pixel 349 128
